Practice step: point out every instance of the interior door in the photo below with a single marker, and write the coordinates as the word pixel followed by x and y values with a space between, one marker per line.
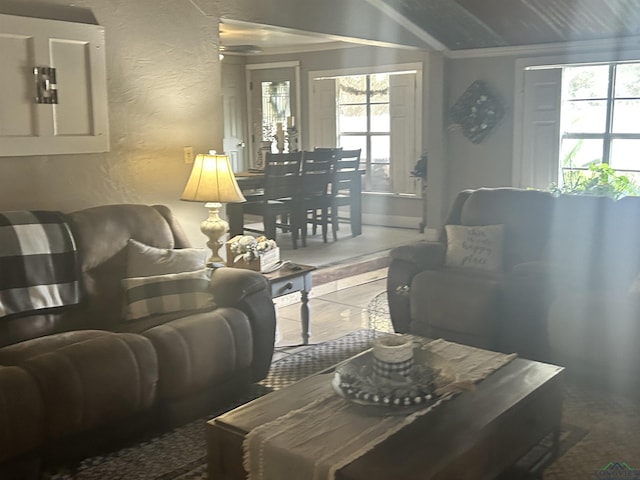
pixel 272 99
pixel 234 124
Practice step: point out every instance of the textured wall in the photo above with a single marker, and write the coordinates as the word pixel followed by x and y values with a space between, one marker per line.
pixel 163 78
pixel 489 163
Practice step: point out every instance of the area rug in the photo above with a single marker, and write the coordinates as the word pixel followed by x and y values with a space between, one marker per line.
pixel 598 428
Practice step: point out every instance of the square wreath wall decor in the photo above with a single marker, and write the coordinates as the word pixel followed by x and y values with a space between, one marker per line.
pixel 477 111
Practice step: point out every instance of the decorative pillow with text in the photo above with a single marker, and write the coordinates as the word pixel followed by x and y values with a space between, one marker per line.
pixel 144 296
pixel 475 247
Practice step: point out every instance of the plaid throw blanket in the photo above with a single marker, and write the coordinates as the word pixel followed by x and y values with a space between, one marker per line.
pixel 38 262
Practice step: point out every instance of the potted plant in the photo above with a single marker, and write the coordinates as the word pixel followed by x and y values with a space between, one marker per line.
pixel 420 168
pixel 599 179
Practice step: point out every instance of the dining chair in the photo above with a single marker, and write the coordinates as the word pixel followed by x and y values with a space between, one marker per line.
pixel 346 168
pixel 315 218
pixel 277 204
pixel 314 199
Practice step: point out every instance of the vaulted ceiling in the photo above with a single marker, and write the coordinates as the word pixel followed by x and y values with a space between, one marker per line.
pixel 469 24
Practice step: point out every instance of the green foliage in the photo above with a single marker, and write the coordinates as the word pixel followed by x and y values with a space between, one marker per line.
pixel 599 179
pixel 420 168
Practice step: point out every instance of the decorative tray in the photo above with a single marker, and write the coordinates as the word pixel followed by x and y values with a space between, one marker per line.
pixel 427 381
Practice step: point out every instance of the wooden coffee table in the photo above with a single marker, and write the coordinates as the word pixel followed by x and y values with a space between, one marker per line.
pixel 477 435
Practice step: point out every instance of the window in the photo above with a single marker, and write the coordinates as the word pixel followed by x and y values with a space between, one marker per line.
pixel 599 111
pixel 363 121
pixel 276 109
pixel 375 109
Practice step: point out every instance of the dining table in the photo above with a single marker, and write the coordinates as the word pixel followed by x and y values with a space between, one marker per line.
pixel 252 182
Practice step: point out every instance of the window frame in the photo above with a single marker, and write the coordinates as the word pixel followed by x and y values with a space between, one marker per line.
pixel 607 136
pixel 415 68
pixel 367 159
pixel 525 172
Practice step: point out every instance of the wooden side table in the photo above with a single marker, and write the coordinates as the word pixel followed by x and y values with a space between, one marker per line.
pixel 294 278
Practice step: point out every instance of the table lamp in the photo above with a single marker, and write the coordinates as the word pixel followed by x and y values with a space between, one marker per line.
pixel 212 181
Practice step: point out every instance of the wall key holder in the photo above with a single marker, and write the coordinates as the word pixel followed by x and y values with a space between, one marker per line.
pixel 46 88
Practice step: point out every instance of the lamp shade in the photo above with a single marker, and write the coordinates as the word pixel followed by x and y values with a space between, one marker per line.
pixel 212 180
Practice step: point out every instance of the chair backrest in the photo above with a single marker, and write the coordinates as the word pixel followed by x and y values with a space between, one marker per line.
pixel 347 165
pixel 317 172
pixel 333 150
pixel 281 175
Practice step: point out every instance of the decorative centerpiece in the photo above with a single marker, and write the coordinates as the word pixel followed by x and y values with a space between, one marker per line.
pixel 396 375
pixel 253 253
pixel 392 354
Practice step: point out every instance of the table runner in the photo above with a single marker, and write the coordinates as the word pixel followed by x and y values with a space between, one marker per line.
pixel 317 440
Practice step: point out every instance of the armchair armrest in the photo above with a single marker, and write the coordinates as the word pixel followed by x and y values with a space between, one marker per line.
pixel 406 262
pixel 425 255
pixel 230 286
pixel 249 291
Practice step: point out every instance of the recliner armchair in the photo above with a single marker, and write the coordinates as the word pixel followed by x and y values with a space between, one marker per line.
pixel 568 290
pixel 431 294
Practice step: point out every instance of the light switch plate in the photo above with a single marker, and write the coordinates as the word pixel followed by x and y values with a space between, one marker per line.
pixel 188 154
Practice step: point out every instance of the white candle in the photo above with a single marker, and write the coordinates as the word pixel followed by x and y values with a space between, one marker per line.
pixel 393 348
pixel 291 122
pixel 279 136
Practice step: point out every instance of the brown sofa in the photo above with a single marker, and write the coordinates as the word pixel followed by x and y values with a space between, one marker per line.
pixel 563 291
pixel 76 377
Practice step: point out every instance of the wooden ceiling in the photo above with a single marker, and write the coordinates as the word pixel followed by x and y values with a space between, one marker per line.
pixel 468 24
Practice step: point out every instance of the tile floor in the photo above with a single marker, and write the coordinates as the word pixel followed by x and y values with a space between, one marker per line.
pixel 335 310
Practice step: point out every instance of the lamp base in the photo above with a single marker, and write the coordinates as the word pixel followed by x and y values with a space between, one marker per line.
pixel 214 228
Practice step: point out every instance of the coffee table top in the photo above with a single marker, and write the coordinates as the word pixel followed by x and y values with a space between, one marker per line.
pixel 477 434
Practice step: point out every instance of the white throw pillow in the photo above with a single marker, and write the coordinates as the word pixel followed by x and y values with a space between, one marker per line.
pixel 144 296
pixel 475 247
pixel 144 260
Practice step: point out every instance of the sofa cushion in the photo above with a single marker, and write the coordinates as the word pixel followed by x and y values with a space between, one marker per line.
pixel 144 296
pixel 144 260
pixel 97 380
pixel 22 413
pixel 200 351
pixel 102 234
pixel 459 305
pixel 524 214
pixel 475 247
pixel 20 352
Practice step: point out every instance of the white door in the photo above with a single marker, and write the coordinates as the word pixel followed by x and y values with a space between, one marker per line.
pixel 541 128
pixel 234 125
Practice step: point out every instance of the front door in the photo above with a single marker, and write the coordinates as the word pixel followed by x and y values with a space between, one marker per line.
pixel 273 105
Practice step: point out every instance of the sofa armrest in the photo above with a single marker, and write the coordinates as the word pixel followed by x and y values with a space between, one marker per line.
pixel 528 294
pixel 230 286
pixel 425 255
pixel 250 292
pixel 406 262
